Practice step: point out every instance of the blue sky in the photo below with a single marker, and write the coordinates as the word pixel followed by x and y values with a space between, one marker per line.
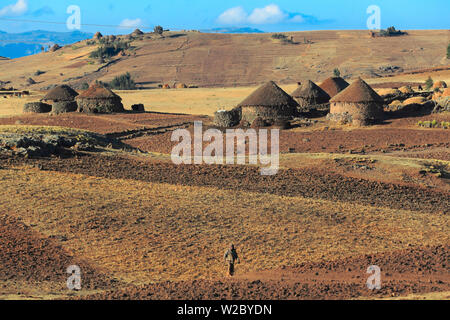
pixel 275 15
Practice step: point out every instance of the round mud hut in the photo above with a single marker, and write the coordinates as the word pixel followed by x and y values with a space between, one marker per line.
pixel 359 104
pixel 97 36
pixel 98 99
pixel 180 86
pixel 62 99
pixel 332 86
pixel 137 33
pixel 309 95
pixel 269 102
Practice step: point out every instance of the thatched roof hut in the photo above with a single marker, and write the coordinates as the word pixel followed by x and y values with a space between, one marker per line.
pixel 98 99
pixel 60 93
pixel 269 102
pixel 358 104
pixel 309 94
pixel 137 33
pixel 180 85
pixel 97 36
pixel 55 47
pixel 332 86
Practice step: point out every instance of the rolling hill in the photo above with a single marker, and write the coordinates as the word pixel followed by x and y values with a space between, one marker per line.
pixel 16 45
pixel 225 60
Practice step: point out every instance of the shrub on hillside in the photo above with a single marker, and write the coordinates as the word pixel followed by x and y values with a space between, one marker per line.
pixel 279 36
pixel 391 32
pixel 336 72
pixel 109 50
pixel 429 83
pixel 158 29
pixel 282 37
pixel 123 82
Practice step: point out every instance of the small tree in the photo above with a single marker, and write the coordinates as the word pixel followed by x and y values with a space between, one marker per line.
pixel 429 83
pixel 448 51
pixel 336 72
pixel 123 82
pixel 159 30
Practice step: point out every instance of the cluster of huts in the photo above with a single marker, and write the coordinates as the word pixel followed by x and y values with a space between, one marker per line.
pixel 63 99
pixel 355 103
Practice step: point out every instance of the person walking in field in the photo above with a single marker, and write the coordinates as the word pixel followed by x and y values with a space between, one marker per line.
pixel 231 257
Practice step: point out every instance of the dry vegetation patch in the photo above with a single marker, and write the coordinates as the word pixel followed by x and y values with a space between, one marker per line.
pixel 144 232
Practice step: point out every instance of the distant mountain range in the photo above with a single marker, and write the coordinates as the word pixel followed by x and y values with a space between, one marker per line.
pixel 232 30
pixel 16 45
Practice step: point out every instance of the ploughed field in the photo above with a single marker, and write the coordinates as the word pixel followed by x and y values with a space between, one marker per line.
pixel 141 227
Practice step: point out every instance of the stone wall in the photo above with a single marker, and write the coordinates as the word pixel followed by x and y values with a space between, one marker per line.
pixel 227 119
pixel 249 114
pixel 37 107
pixel 100 105
pixel 64 106
pixel 357 113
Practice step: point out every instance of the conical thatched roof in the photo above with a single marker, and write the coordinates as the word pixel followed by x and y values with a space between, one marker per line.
pixel 269 95
pixel 334 85
pixel 137 32
pixel 98 35
pixel 358 91
pixel 311 92
pixel 61 93
pixel 97 91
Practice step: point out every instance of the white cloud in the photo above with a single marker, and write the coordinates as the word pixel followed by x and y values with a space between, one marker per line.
pixel 131 23
pixel 297 19
pixel 271 14
pixel 17 9
pixel 268 15
pixel 236 15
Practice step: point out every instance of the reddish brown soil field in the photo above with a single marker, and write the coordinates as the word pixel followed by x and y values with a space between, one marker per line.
pixel 103 123
pixel 151 132
pixel 416 270
pixel 45 259
pixel 412 270
pixel 330 141
pixel 389 85
pixel 305 183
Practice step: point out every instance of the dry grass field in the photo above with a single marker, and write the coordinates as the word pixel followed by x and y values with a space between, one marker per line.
pixel 141 227
pixel 223 60
pixel 142 233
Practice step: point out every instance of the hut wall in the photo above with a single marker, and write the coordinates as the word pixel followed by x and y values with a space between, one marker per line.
pixel 227 119
pixel 306 105
pixel 64 106
pixel 249 114
pixel 100 105
pixel 358 113
pixel 37 107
